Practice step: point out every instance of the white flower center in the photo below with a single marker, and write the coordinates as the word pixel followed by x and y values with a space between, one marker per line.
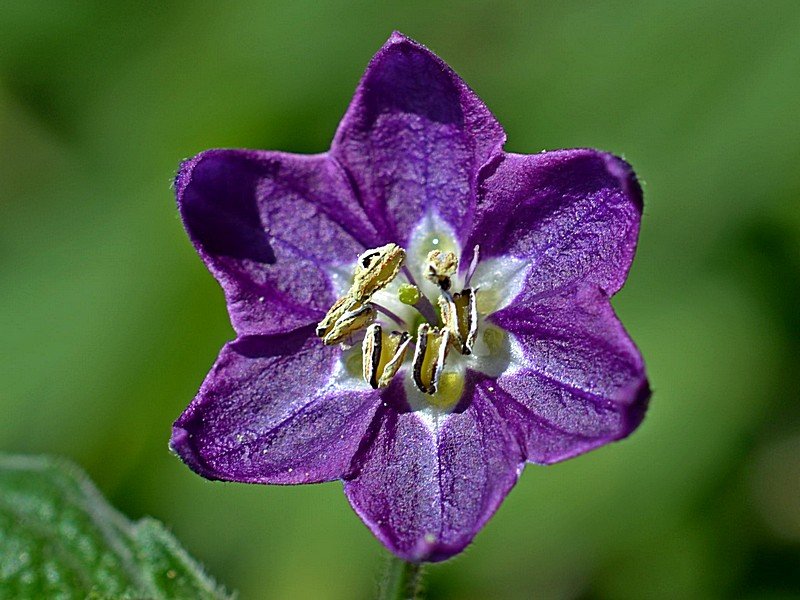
pixel 425 298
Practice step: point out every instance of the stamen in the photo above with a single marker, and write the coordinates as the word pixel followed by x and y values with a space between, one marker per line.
pixel 460 317
pixel 375 269
pixel 334 314
pixel 389 313
pixel 382 355
pixel 440 267
pixel 429 356
pixel 356 317
pixel 476 253
pixel 409 276
pixel 454 322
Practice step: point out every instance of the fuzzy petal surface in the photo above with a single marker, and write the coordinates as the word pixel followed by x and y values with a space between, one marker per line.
pixel 426 489
pixel 269 412
pixel 572 214
pixel 414 139
pixel 580 382
pixel 269 225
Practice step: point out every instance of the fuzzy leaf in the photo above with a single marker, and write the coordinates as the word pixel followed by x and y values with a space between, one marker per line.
pixel 59 538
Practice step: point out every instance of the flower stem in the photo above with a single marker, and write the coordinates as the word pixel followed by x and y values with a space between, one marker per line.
pixel 401 580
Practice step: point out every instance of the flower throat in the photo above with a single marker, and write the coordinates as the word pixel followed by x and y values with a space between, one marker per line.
pixel 453 323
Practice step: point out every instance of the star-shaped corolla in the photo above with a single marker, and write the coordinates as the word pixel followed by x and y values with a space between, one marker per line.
pixel 418 313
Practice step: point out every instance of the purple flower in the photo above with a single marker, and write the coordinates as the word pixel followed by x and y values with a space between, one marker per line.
pixel 418 313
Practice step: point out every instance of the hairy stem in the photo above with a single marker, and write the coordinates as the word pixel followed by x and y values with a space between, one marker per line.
pixel 401 580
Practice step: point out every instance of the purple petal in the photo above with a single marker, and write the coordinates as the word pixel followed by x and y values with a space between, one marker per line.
pixel 425 491
pixel 268 224
pixel 414 139
pixel 268 413
pixel 581 381
pixel 574 214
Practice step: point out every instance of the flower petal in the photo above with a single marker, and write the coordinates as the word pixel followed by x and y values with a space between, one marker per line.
pixel 414 138
pixel 425 489
pixel 573 214
pixel 268 412
pixel 268 225
pixel 579 382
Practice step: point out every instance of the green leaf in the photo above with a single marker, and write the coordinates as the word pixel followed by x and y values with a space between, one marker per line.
pixel 59 538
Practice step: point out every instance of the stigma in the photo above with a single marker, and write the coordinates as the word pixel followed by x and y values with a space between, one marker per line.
pixel 434 326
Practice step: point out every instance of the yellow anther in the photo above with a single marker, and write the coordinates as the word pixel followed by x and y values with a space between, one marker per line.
pixel 376 269
pixel 355 317
pixel 334 313
pixel 382 354
pixel 460 317
pixel 440 267
pixel 429 356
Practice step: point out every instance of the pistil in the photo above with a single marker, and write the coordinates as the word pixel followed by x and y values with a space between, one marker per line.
pixel 422 304
pixel 476 253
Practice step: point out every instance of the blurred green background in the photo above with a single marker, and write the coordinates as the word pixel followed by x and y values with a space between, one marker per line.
pixel 109 321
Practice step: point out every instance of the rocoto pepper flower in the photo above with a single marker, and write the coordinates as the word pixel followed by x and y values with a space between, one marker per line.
pixel 418 313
